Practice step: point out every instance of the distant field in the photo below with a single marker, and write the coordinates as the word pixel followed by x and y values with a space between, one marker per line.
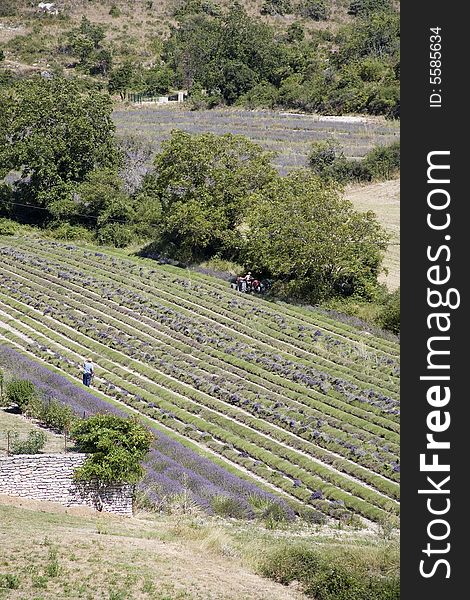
pixel 384 199
pixel 289 135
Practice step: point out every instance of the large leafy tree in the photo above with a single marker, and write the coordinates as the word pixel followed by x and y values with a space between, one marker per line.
pixel 227 55
pixel 303 233
pixel 55 135
pixel 203 182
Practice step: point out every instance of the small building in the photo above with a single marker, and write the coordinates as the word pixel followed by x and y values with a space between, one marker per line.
pixel 48 8
pixel 176 97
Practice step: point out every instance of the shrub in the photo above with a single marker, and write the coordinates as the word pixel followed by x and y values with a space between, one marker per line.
pixel 383 162
pixel 32 445
pixel 8 227
pixel 114 11
pixel 116 234
pixel 116 447
pixel 68 232
pixel 20 392
pixel 315 9
pixel 366 7
pixel 323 155
pixel 389 316
pixel 9 581
pixel 327 160
pixel 323 579
pixel 56 415
pixel 276 7
pixel 290 563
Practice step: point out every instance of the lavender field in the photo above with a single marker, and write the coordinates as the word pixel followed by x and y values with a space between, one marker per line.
pixel 289 135
pixel 275 401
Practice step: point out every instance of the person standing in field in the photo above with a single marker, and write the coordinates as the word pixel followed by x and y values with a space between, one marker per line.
pixel 88 372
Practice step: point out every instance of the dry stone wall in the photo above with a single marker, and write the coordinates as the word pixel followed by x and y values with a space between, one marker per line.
pixel 50 477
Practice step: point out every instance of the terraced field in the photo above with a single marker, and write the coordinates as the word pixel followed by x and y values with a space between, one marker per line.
pixel 305 406
pixel 289 135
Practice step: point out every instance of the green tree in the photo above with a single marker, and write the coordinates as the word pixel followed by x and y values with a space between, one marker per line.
pixel 366 7
pixel 121 79
pixel 158 80
pixel 85 42
pixel 203 182
pixel 276 7
pixel 55 135
pixel 226 56
pixel 378 35
pixel 303 233
pixel 116 448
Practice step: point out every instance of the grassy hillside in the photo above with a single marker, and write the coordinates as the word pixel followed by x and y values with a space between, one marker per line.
pixel 305 404
pixel 31 38
pixel 18 424
pixel 73 553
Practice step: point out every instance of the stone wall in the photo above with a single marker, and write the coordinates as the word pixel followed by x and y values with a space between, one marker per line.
pixel 50 477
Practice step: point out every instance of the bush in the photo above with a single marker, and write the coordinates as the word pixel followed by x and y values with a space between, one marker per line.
pixel 366 7
pixel 20 392
pixel 8 227
pixel 276 7
pixel 389 316
pixel 323 156
pixel 327 160
pixel 7 580
pixel 315 9
pixel 322 579
pixel 56 415
pixel 68 233
pixel 114 11
pixel 32 445
pixel 290 563
pixel 383 162
pixel 116 234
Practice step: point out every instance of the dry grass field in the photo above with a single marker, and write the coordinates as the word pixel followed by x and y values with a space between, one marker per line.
pixel 383 198
pixel 78 553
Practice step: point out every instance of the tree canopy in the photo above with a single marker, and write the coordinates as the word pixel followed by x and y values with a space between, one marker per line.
pixel 203 183
pixel 55 135
pixel 303 233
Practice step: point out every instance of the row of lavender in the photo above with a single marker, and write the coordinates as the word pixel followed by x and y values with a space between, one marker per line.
pixel 249 366
pixel 365 365
pixel 171 468
pixel 235 391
